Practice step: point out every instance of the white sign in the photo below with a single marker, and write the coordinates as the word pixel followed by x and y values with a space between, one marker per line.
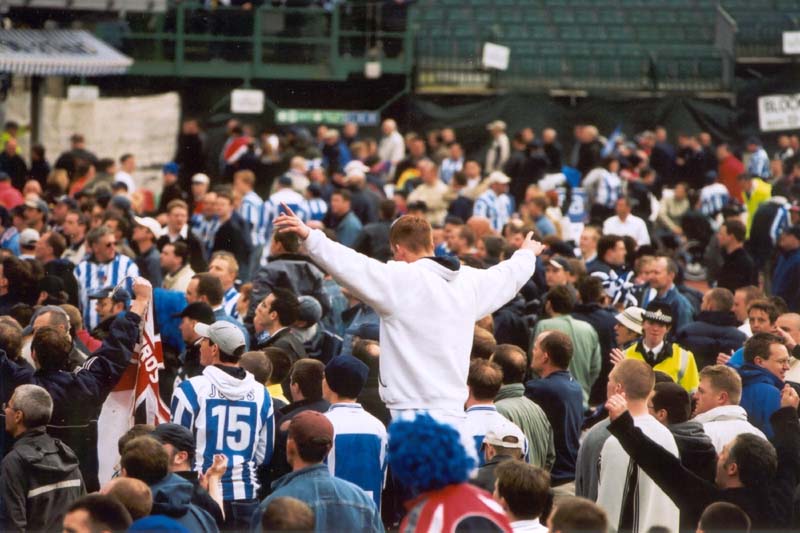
pixel 83 93
pixel 247 101
pixel 496 56
pixel 791 42
pixel 779 112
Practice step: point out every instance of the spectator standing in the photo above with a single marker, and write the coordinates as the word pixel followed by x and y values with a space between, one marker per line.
pixel 620 473
pixel 10 197
pixel 392 147
pixel 40 476
pixel 12 164
pixel 738 269
pixel 766 362
pixel 755 192
pixel 145 232
pixel 250 207
pixel 714 329
pixel 343 220
pixel 453 163
pixel 729 170
pixel 190 358
pixel 624 223
pixel 172 189
pixel 127 166
pixel 499 149
pixel 273 321
pixel 523 491
pixel 218 421
pixel 337 504
pixel 503 442
pixel 175 265
pixel 373 241
pixel 662 279
pixel 511 402
pixel 432 191
pixel 49 249
pixel 103 267
pixel 717 406
pixel 758 162
pixel 223 266
pixel 561 398
pixel 190 153
pixel 787 269
pixel 585 362
pixel 358 451
pixel 177 229
pixel 233 235
pixel 495 204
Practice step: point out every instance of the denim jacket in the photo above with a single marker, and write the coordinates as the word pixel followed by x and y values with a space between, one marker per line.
pixel 338 505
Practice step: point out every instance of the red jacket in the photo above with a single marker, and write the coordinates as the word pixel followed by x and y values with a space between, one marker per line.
pixel 445 509
pixel 9 196
pixel 729 170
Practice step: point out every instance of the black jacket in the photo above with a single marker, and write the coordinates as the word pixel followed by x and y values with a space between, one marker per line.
pixel 323 346
pixel 63 270
pixel 712 332
pixel 738 270
pixel 234 236
pixel 78 396
pixel 197 257
pixel 289 271
pixel 373 241
pixel 36 461
pixel 768 507
pixel 485 477
pixel 697 451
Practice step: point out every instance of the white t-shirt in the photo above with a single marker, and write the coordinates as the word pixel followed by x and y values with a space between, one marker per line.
pixel 633 226
pixel 125 178
pixel 528 526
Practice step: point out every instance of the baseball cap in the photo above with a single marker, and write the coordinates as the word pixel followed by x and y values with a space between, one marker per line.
pixel 346 375
pixel 224 334
pixel 200 311
pixel 28 237
pixel 311 427
pixel 120 295
pixel 37 203
pixel 497 177
pixel 180 437
pixel 201 178
pixel 560 263
pixel 505 434
pixel 310 311
pixel 149 223
pixel 631 318
pixel 658 312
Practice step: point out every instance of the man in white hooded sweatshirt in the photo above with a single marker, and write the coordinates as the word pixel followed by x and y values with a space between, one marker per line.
pixel 428 308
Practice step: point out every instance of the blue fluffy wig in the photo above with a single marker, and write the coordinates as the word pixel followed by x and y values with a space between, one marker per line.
pixel 426 455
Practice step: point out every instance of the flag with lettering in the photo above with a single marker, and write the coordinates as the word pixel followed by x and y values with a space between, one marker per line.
pixel 134 400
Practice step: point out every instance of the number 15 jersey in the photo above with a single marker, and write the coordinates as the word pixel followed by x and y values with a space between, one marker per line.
pixel 230 415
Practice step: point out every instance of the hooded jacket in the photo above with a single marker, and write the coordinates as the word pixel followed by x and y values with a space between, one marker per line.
pixel 428 311
pixel 172 497
pixel 761 395
pixel 40 479
pixel 291 271
pixel 695 448
pixel 226 401
pixel 724 423
pixel 79 395
pixel 712 332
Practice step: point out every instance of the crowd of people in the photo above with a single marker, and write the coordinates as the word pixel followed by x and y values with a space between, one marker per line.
pixel 364 333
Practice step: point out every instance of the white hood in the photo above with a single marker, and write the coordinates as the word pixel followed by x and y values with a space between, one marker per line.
pixel 228 386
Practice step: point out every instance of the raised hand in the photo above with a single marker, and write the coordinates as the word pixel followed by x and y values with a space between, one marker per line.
pixel 789 397
pixel 616 406
pixel 723 358
pixel 533 245
pixel 288 221
pixel 617 356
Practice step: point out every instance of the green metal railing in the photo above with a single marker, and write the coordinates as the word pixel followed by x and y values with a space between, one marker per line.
pixel 309 43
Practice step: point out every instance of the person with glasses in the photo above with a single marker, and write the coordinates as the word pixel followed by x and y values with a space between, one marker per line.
pixel 102 267
pixel 766 361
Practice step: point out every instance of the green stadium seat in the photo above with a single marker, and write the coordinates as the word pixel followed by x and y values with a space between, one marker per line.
pixel 563 16
pixel 611 16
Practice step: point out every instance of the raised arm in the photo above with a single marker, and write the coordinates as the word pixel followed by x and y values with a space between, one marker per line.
pixel 499 284
pixel 368 279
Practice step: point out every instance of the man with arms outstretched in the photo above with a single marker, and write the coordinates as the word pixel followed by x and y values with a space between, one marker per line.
pixel 428 307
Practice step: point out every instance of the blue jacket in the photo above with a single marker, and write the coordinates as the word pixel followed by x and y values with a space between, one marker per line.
pixel 167 305
pixel 561 398
pixel 172 497
pixel 338 505
pixel 761 396
pixel 348 229
pixel 786 279
pixel 78 396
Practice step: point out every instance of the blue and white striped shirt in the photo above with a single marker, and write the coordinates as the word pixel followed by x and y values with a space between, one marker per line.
pixel 359 448
pixel 317 209
pixel 480 419
pixel 758 164
pixel 92 276
pixel 229 301
pixel 713 198
pixel 609 190
pixel 272 208
pixel 498 209
pixel 448 168
pixel 781 221
pixel 251 210
pixel 205 229
pixel 230 416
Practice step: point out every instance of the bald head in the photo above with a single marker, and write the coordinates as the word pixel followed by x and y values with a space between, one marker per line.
pixel 511 359
pixel 133 494
pixel 790 323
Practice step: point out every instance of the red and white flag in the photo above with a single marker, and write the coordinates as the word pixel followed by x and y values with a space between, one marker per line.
pixel 135 399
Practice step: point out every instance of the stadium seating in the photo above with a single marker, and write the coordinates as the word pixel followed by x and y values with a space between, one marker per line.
pixel 600 44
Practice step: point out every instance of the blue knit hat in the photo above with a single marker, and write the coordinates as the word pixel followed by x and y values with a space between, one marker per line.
pixel 170 168
pixel 346 375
